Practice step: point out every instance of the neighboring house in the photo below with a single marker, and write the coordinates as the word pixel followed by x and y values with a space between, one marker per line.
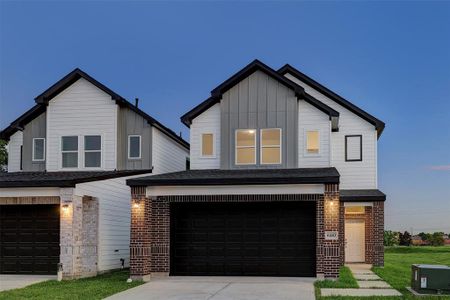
pixel 416 240
pixel 64 198
pixel 283 182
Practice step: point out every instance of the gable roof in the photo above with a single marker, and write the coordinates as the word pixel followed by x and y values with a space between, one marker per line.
pixel 256 65
pixel 379 125
pixel 43 99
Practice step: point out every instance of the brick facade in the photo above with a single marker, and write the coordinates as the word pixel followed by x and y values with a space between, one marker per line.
pixel 374 230
pixel 150 229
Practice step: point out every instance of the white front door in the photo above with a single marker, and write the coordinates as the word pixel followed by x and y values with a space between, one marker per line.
pixel 355 237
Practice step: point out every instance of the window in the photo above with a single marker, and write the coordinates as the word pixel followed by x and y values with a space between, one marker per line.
pixel 92 151
pixel 353 148
pixel 69 150
pixel 354 210
pixel 134 147
pixel 207 145
pixel 188 163
pixel 245 147
pixel 271 146
pixel 312 142
pixel 38 149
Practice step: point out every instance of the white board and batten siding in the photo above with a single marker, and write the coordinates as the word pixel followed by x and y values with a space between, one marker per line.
pixel 81 109
pixel 114 220
pixel 14 144
pixel 312 119
pixel 207 122
pixel 168 156
pixel 355 174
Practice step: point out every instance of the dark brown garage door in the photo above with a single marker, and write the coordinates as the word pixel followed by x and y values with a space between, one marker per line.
pixel 250 239
pixel 29 239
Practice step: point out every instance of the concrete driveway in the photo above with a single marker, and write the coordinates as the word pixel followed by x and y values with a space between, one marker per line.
pixel 9 282
pixel 220 288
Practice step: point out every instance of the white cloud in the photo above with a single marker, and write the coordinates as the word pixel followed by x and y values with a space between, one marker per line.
pixel 440 168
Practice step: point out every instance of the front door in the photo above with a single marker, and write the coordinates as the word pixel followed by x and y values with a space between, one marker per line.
pixel 355 240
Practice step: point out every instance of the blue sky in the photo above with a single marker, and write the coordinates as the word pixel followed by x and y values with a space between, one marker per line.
pixel 390 58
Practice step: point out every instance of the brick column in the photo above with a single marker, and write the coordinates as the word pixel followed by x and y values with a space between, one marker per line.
pixel 78 235
pixel 378 233
pixel 369 234
pixel 160 237
pixel 140 239
pixel 330 218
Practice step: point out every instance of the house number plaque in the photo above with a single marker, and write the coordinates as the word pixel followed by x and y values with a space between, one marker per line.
pixel 331 235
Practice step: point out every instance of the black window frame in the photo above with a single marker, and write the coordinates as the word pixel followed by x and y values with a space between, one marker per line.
pixel 360 147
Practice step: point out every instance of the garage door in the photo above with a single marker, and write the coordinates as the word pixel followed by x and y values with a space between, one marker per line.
pixel 29 239
pixel 247 239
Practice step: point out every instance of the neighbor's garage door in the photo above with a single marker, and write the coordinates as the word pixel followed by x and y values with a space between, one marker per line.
pixel 251 239
pixel 29 239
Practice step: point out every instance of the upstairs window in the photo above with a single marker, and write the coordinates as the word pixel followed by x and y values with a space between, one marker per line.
pixel 92 151
pixel 38 149
pixel 353 148
pixel 69 150
pixel 134 147
pixel 207 145
pixel 271 146
pixel 312 142
pixel 245 142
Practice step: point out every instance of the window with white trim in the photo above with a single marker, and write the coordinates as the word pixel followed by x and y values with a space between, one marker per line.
pixel 38 149
pixel 92 151
pixel 134 147
pixel 312 142
pixel 69 151
pixel 207 145
pixel 245 150
pixel 271 146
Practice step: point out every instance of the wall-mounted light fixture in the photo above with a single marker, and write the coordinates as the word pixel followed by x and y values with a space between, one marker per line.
pixel 65 207
pixel 136 204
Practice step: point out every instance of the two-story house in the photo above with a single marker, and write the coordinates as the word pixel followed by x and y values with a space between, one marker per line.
pixel 64 198
pixel 283 182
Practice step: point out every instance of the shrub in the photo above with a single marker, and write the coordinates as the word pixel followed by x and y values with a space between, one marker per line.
pixel 391 238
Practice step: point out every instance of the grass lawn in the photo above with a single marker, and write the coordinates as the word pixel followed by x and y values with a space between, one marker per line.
pixel 97 287
pixel 397 271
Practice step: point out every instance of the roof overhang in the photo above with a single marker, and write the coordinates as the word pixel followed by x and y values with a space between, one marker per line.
pixel 367 195
pixel 379 125
pixel 240 177
pixel 61 179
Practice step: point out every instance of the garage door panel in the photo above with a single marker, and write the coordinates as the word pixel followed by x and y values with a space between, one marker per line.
pixel 29 239
pixel 268 239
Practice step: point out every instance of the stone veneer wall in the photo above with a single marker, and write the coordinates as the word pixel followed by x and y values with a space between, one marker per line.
pixel 150 229
pixel 78 235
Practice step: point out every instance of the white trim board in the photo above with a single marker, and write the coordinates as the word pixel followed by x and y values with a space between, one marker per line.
pixel 235 190
pixel 347 204
pixel 29 192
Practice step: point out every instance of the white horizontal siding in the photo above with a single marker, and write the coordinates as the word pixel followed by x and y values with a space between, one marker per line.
pixel 354 175
pixel 81 109
pixel 15 141
pixel 312 119
pixel 167 155
pixel 206 122
pixel 29 192
pixel 114 198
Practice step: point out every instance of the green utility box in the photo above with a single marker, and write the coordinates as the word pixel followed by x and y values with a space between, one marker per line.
pixel 430 279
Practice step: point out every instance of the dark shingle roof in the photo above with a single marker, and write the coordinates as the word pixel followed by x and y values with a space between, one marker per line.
pixel 362 195
pixel 60 179
pixel 240 177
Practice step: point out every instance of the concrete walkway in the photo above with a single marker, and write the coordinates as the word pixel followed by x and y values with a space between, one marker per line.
pixel 9 282
pixel 221 288
pixel 369 284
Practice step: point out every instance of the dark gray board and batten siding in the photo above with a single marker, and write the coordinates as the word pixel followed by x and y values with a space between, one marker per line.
pixel 34 129
pixel 258 102
pixel 130 123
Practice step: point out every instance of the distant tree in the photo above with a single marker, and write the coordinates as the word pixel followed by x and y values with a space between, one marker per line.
pixel 437 239
pixel 391 238
pixel 3 156
pixel 405 239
